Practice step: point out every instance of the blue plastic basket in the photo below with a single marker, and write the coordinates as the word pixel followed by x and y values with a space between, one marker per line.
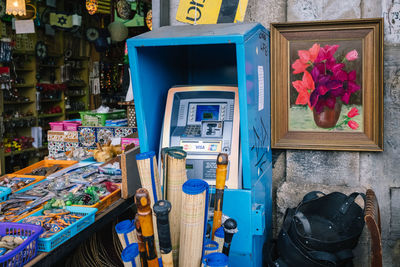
pixel 4 193
pixel 24 252
pixel 50 243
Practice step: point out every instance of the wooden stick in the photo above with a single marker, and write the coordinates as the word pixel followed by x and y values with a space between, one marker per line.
pixel 150 180
pixel 142 200
pixel 162 209
pixel 142 247
pixel 175 175
pixel 193 219
pixel 222 164
pixel 230 228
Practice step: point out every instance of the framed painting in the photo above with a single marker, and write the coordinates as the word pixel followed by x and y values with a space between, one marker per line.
pixel 327 85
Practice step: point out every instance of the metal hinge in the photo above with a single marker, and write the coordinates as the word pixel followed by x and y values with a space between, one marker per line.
pixel 258 220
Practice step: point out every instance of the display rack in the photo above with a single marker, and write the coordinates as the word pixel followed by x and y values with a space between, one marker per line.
pixel 23 76
pixel 27 73
pixel 77 80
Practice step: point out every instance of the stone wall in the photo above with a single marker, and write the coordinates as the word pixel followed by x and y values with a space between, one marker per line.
pixel 297 172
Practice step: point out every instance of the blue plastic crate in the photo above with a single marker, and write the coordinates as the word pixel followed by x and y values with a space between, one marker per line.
pixel 50 243
pixel 4 193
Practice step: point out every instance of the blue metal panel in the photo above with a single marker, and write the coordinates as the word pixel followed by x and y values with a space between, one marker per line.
pixel 154 71
pixel 257 146
pixel 259 129
pixel 212 64
pixel 197 35
pixel 244 121
pixel 237 205
pixel 261 196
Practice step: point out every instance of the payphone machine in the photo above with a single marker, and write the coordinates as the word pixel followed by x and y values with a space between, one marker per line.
pixel 204 120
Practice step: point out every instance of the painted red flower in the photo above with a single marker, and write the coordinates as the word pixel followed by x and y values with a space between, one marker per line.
pixel 353 112
pixel 299 67
pixel 309 56
pixel 306 58
pixel 304 88
pixel 352 55
pixel 353 125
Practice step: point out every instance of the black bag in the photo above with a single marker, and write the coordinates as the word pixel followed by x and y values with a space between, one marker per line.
pixel 320 231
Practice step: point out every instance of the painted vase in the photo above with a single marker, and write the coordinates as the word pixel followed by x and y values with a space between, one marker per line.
pixel 328 117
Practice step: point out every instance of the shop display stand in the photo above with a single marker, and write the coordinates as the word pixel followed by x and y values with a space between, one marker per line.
pixel 78 91
pixel 28 72
pixel 26 88
pixel 235 54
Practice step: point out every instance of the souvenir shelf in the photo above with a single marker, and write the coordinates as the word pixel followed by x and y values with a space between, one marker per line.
pixel 19 108
pixel 32 109
pixel 76 78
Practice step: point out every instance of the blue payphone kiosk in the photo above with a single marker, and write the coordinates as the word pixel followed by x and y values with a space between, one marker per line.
pixel 203 55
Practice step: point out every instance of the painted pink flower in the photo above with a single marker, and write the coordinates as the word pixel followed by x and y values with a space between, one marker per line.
pixel 350 86
pixel 352 55
pixel 352 113
pixel 353 125
pixel 326 53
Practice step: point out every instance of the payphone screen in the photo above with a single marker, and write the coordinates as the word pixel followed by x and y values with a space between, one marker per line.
pixel 207 112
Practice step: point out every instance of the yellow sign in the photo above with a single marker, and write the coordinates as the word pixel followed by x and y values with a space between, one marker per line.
pixel 211 11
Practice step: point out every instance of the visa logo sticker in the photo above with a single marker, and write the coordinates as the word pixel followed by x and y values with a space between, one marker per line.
pixel 211 11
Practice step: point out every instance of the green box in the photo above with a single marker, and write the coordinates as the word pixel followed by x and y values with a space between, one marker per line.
pixel 91 118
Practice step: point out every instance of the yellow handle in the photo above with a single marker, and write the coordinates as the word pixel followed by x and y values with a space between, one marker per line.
pixel 222 167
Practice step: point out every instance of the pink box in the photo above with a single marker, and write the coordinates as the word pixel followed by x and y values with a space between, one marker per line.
pixel 71 125
pixel 57 126
pixel 126 141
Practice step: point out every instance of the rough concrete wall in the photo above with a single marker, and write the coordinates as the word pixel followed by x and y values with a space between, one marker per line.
pixel 298 172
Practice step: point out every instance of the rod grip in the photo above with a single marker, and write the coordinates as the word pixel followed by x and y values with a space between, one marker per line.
pixel 230 228
pixel 161 210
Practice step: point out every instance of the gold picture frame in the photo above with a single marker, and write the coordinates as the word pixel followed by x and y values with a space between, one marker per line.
pixel 325 71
